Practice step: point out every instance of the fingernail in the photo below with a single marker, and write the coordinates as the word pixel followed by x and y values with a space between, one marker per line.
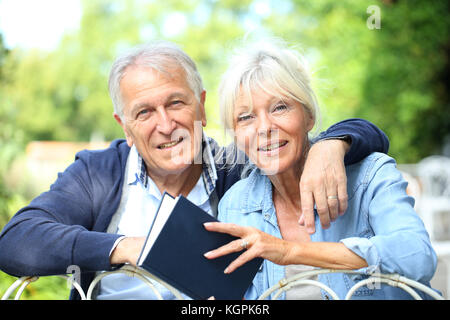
pixel 226 271
pixel 310 230
pixel 206 224
pixel 207 254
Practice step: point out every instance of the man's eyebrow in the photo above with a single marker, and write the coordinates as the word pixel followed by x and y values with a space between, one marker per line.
pixel 145 105
pixel 176 95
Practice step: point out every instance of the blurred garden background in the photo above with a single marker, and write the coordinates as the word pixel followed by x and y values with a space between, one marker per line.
pixel 54 100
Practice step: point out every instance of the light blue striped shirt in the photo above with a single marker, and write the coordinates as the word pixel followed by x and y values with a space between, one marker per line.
pixel 140 200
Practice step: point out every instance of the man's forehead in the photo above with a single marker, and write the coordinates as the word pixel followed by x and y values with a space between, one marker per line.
pixel 169 72
pixel 143 76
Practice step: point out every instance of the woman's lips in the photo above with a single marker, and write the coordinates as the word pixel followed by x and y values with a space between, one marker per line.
pixel 273 146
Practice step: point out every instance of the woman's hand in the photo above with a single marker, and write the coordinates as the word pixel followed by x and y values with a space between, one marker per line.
pixel 255 243
pixel 330 255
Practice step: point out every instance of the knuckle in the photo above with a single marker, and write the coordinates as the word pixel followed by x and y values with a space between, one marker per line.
pixel 305 183
pixel 309 223
pixel 311 180
pixel 342 179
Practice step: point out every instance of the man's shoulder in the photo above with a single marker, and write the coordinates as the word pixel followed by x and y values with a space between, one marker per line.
pixel 106 164
pixel 118 150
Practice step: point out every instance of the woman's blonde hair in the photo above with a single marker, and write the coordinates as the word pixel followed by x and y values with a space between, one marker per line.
pixel 269 65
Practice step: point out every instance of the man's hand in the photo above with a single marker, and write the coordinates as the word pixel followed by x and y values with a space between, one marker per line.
pixel 324 182
pixel 127 251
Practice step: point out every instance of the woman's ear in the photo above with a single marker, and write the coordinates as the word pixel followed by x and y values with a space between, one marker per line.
pixel 310 122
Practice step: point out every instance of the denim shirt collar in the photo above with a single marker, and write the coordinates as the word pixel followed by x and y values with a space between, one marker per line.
pixel 257 197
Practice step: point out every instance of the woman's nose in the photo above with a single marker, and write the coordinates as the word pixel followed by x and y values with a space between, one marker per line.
pixel 265 125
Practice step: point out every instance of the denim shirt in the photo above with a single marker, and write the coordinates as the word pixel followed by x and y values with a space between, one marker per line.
pixel 380 225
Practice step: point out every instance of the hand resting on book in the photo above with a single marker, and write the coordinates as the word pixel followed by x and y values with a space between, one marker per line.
pixel 127 251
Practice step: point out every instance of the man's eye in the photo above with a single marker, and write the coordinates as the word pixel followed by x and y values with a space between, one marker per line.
pixel 176 102
pixel 143 114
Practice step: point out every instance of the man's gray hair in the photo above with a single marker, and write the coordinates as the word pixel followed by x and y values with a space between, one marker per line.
pixel 159 55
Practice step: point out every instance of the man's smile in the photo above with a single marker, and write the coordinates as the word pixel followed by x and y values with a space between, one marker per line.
pixel 170 144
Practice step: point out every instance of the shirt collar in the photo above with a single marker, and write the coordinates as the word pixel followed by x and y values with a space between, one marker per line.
pixel 138 170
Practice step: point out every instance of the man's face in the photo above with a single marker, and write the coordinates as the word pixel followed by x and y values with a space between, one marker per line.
pixel 162 118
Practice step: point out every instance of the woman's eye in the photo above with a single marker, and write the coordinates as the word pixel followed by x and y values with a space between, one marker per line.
pixel 244 117
pixel 280 107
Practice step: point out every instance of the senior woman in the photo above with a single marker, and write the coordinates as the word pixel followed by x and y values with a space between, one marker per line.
pixel 267 100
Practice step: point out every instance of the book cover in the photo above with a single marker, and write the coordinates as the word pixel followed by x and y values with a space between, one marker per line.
pixel 176 256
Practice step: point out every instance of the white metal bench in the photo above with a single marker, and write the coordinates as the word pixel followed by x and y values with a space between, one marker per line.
pixel 303 278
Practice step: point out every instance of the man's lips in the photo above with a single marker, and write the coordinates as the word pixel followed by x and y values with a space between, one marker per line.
pixel 272 146
pixel 170 144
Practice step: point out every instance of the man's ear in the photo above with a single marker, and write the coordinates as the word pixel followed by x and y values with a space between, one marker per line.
pixel 202 107
pixel 125 130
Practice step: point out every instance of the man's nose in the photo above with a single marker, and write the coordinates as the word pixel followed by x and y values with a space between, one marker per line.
pixel 165 123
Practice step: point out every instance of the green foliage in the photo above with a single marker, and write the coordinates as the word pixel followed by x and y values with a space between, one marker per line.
pixel 406 85
pixel 45 288
pixel 395 76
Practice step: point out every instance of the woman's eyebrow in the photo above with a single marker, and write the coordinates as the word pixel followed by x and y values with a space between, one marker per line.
pixel 241 109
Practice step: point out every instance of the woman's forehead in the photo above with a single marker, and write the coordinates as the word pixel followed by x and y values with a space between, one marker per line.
pixel 246 98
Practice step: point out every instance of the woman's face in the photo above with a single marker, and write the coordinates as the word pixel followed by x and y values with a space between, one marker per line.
pixel 273 132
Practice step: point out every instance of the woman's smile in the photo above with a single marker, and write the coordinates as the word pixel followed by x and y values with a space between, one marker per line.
pixel 272 148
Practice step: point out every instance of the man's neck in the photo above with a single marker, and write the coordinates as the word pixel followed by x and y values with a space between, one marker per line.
pixel 179 183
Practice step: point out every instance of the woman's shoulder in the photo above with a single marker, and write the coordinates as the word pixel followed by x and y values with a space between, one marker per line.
pixel 374 165
pixel 371 163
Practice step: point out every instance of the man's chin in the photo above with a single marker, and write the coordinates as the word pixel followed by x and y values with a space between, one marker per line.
pixel 177 165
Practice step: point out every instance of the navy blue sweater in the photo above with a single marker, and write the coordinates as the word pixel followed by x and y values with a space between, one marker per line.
pixel 66 225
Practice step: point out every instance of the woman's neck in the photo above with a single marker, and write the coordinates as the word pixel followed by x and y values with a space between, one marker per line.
pixel 286 189
pixel 286 185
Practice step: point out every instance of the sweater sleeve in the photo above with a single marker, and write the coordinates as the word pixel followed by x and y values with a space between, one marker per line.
pixel 55 230
pixel 365 138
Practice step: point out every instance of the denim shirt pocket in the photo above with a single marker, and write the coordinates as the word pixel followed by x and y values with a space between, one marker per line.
pixel 352 279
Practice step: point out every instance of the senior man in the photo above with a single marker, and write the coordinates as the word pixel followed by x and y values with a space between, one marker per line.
pixel 97 213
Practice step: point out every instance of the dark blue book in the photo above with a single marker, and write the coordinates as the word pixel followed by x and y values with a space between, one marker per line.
pixel 174 252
